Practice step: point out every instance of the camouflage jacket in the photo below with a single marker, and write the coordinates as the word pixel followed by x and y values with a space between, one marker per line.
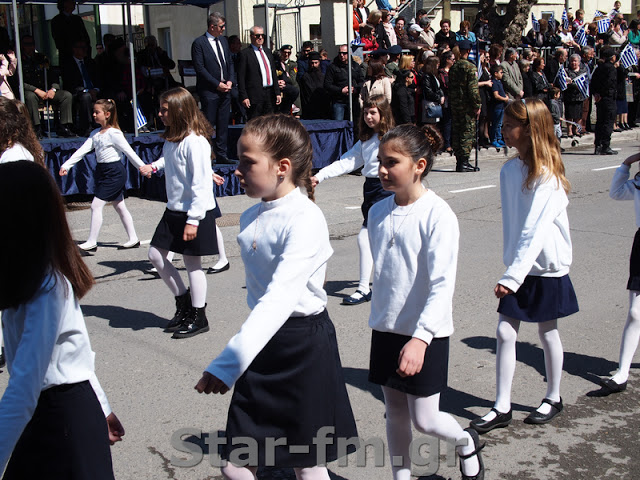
pixel 463 87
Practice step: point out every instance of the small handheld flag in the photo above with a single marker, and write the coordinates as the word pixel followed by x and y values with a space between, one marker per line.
pixel 628 57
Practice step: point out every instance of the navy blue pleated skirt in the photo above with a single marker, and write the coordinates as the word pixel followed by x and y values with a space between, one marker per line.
pixel 383 363
pixel 372 192
pixel 292 389
pixel 110 180
pixel 540 299
pixel 634 264
pixel 169 232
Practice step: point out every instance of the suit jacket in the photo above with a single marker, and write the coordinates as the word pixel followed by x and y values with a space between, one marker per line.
pixel 72 80
pixel 206 64
pixel 249 77
pixel 512 79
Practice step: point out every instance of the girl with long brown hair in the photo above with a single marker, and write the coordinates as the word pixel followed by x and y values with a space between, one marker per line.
pixel 18 141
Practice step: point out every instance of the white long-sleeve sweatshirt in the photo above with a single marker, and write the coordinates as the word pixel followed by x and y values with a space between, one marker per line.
pixel 535 226
pixel 414 278
pixel 362 154
pixel 622 188
pixel 109 147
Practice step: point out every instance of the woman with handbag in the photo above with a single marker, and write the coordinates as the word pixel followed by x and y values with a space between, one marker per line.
pixel 432 94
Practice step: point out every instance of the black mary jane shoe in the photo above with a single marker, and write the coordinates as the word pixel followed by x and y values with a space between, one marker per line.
pixel 537 418
pixel 501 420
pixel 476 451
pixel 357 298
pixel 611 386
pixel 226 267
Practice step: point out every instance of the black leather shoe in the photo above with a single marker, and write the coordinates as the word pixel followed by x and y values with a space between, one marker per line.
pixel 183 308
pixel 219 270
pixel 194 324
pixel 127 247
pixel 598 151
pixel 608 151
pixel 501 420
pixel 357 298
pixel 64 132
pixel 476 451
pixel 537 418
pixel 466 167
pixel 611 386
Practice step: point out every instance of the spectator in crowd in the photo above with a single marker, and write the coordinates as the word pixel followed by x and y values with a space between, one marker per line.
pixel 303 62
pixel 551 68
pixel 99 49
pixel 578 22
pixel 572 97
pixel 445 35
pixel 464 33
pixel 102 57
pixel 364 11
pixel 400 30
pixel 66 28
pixel 402 99
pixel 336 83
pixel 588 55
pixel 512 78
pixel 495 54
pixel 82 80
pixel 484 87
pixel 238 112
pixel 497 104
pixel 394 55
pixel 540 38
pixel 566 37
pixel 367 38
pixel 432 93
pixel 481 28
pixel 539 84
pixel 388 28
pixel 407 62
pixel 413 40
pixel 634 33
pixel 617 36
pixel 324 60
pixel 377 83
pixel 257 81
pixel 465 107
pixel 312 92
pixel 157 64
pixel 603 87
pixel 525 71
pixel 622 108
pixel 35 91
pixel 379 32
pixel 215 77
pixel 593 38
pixel 447 59
pixel 357 17
pixel 384 5
pixel 428 36
pixel 286 70
pixel 634 76
pixel 555 107
pixel 8 65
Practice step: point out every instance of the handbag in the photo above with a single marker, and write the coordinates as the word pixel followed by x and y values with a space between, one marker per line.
pixel 432 110
pixel 629 91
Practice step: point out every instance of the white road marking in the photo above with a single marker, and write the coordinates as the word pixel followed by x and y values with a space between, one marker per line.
pixel 472 189
pixel 352 208
pixel 604 168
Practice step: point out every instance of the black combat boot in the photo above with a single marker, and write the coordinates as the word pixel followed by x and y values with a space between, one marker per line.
pixel 195 323
pixel 183 307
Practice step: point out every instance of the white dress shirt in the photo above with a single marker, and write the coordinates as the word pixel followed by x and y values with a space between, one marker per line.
pixel 263 72
pixel 213 41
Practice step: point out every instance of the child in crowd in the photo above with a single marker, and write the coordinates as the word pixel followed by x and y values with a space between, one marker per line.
pixel 499 100
pixel 53 404
pixel 414 239
pixel 18 141
pixel 376 119
pixel 537 253
pixel 555 106
pixel 284 361
pixel 111 176
pixel 623 188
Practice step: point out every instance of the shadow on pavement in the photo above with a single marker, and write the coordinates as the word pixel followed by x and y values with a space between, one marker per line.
pixel 120 317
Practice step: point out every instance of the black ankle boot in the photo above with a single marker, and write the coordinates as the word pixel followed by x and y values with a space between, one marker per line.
pixel 195 323
pixel 183 307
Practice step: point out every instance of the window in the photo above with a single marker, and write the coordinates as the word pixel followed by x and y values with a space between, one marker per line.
pixel 164 40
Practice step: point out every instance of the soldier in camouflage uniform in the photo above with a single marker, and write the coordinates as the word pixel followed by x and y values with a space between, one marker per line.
pixel 464 98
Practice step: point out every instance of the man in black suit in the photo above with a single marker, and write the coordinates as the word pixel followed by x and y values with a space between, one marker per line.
pixel 257 79
pixel 80 77
pixel 215 73
pixel 66 28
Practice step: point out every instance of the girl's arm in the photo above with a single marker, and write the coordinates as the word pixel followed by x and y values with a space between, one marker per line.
pixel 349 162
pixel 621 187
pixel 152 167
pixel 77 156
pixel 120 142
pixel 198 153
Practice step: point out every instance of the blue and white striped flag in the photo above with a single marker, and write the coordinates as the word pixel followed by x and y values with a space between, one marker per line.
pixel 628 56
pixel 552 23
pixel 603 25
pixel 565 19
pixel 582 82
pixel 613 13
pixel 581 37
pixel 535 23
pixel 598 14
pixel 562 78
pixel 141 120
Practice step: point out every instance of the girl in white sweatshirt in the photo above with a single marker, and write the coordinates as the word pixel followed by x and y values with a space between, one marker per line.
pixel 537 253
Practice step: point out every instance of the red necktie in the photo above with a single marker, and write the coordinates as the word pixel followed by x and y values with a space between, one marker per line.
pixel 266 66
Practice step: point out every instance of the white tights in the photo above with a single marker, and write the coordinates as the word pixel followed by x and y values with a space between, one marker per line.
pixel 232 472
pixel 630 337
pixel 403 409
pixel 507 334
pixel 96 220
pixel 171 276
pixel 366 260
pixel 222 254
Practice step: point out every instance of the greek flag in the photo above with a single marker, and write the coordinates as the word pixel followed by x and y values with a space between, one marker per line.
pixel 581 37
pixel 552 23
pixel 565 19
pixel 561 76
pixel 141 120
pixel 598 14
pixel 603 25
pixel 582 82
pixel 612 13
pixel 535 23
pixel 628 56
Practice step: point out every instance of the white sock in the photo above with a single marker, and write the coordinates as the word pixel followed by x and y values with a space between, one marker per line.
pixel 222 255
pixel 312 473
pixel 506 336
pixel 127 220
pixel 167 271
pixel 398 432
pixel 366 260
pixel 553 360
pixel 630 337
pixel 231 472
pixel 197 280
pixel 96 222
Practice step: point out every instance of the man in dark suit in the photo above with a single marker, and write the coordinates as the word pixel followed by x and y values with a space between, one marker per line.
pixel 66 28
pixel 257 79
pixel 80 77
pixel 215 73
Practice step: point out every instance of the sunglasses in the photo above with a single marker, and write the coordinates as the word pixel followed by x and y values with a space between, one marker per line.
pixel 221 27
pixel 258 35
pixel 344 53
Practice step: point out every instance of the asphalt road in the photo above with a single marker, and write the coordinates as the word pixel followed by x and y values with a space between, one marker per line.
pixel 149 377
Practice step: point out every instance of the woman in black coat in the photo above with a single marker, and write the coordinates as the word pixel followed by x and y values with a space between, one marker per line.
pixel 402 102
pixel 431 89
pixel 539 83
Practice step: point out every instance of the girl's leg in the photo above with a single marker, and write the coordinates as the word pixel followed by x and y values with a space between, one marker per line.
pixel 96 222
pixel 197 280
pixel 630 337
pixel 366 260
pixel 312 473
pixel 553 359
pixel 222 255
pixel 232 472
pixel 167 271
pixel 398 431
pixel 127 221
pixel 428 419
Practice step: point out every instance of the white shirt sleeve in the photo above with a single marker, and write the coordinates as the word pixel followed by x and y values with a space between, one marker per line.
pixel 120 142
pixel 621 187
pixel 77 156
pixel 199 162
pixel 102 397
pixel 349 162
pixel 159 164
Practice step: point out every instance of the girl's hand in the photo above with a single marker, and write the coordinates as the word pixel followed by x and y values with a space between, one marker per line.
pixel 314 181
pixel 411 357
pixel 63 172
pixel 501 291
pixel 190 232
pixel 146 170
pixel 116 430
pixel 632 159
pixel 217 179
pixel 211 384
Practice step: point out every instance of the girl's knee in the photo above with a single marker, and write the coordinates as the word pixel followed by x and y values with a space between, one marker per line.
pixel 505 333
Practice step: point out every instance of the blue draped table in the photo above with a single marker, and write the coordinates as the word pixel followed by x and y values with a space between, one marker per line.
pixel 330 139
